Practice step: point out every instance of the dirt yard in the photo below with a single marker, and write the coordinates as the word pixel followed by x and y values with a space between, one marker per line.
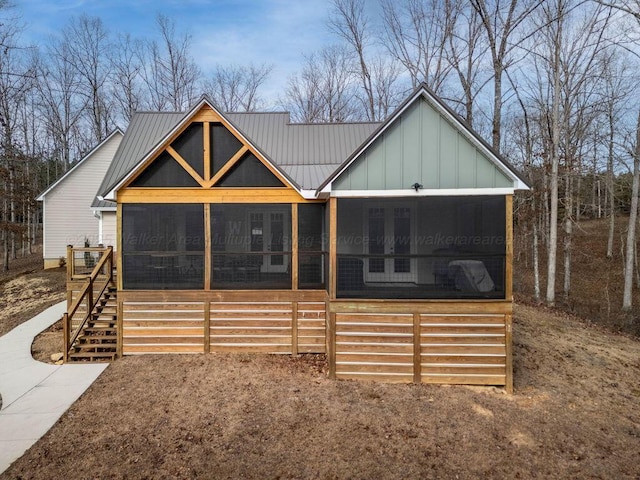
pixel 26 290
pixel 574 415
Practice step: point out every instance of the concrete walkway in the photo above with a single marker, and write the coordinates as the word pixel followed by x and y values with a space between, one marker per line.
pixel 35 394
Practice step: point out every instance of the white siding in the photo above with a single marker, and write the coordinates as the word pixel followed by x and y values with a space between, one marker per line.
pixel 68 218
pixel 108 229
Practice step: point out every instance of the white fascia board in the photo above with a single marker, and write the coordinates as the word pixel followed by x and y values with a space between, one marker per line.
pixel 309 194
pixel 428 192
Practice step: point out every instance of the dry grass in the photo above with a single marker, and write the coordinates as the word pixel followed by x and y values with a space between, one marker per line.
pixel 574 415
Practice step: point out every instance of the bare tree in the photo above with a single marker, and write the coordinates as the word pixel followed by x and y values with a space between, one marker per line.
pixel 58 101
pixel 378 76
pixel 567 50
pixel 235 88
pixel 87 44
pixel 170 74
pixel 501 20
pixel 16 80
pixel 323 92
pixel 616 90
pixel 416 34
pixel 126 76
pixel 465 51
pixel 627 298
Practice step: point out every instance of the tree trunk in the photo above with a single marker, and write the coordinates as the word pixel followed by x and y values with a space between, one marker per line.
pixel 627 298
pixel 610 196
pixel 555 160
pixel 536 261
pixel 568 231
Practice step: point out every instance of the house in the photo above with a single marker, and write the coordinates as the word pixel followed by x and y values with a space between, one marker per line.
pixel 67 216
pixel 386 246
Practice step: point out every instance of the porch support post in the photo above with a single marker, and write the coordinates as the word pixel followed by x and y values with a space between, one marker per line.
pixel 417 349
pixel 294 328
pixel 294 246
pixel 207 326
pixel 207 246
pixel 331 344
pixel 333 245
pixel 509 353
pixel 508 276
pixel 119 244
pixel 70 266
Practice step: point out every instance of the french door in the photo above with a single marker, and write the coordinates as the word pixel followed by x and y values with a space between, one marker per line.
pixel 268 235
pixel 390 234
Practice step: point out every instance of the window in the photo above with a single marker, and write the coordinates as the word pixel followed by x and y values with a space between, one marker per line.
pixel 251 246
pixel 430 247
pixel 163 246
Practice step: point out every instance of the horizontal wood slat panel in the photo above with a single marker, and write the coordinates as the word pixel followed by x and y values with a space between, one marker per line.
pixel 465 379
pixel 311 327
pixel 178 323
pixel 462 319
pixel 159 348
pixel 465 349
pixel 250 348
pixel 155 306
pixel 163 340
pixel 376 377
pixel 164 332
pixel 251 327
pixel 463 370
pixel 162 327
pixel 375 335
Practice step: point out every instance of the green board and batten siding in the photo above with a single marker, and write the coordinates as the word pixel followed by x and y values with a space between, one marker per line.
pixel 422 146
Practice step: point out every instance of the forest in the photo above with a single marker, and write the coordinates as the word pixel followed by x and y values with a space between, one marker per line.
pixel 551 84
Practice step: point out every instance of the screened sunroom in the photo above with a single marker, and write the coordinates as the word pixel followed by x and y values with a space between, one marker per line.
pixel 431 247
pixel 250 246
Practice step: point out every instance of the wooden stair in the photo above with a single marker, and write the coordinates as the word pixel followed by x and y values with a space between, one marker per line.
pixel 98 340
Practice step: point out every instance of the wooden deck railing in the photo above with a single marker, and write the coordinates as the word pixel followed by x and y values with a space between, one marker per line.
pixel 88 294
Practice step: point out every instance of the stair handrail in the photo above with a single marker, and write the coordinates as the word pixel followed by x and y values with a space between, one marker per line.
pixel 86 294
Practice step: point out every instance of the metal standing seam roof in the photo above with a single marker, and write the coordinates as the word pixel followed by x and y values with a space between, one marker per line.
pixel 145 130
pixel 306 153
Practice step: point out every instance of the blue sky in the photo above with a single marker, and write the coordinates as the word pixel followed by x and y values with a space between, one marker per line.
pixel 278 32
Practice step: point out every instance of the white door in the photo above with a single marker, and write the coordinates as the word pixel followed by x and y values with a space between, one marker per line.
pixel 389 231
pixel 268 236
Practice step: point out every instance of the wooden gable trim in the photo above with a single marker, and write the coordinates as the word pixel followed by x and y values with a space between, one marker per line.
pixel 164 146
pixel 185 165
pixel 207 150
pixel 227 166
pixel 207 115
pixel 212 195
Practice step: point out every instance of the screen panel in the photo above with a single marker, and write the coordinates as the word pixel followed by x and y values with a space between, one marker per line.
pixel 163 246
pixel 428 247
